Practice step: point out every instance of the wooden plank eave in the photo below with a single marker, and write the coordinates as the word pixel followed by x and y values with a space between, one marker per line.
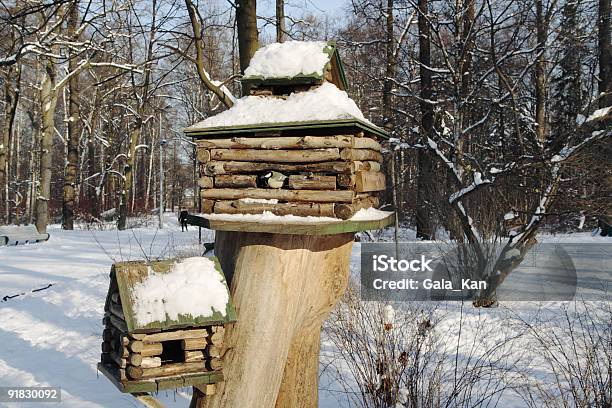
pixel 322 228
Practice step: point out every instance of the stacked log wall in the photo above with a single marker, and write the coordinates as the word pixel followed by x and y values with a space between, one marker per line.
pixel 140 356
pixel 327 176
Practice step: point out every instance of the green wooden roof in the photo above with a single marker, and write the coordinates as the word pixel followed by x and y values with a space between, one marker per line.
pixel 334 63
pixel 245 130
pixel 126 274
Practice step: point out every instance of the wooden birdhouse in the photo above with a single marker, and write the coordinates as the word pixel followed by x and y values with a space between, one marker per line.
pixel 164 324
pixel 296 144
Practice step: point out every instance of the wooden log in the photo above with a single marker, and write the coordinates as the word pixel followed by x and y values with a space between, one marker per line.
pixel 276 156
pixel 136 336
pixel 365 166
pixel 116 310
pixel 138 360
pixel 317 196
pixel 151 362
pixel 369 181
pixel 175 335
pixel 311 182
pixel 276 143
pixel 205 182
pixel 217 337
pixel 135 359
pixel 152 349
pixel 136 346
pixel 366 143
pixel 346 180
pixel 203 155
pixel 346 211
pixel 193 344
pixel 207 206
pixel 193 355
pixel 107 347
pixel 112 320
pixel 107 335
pixel 214 168
pixel 350 180
pixel 295 208
pixel 106 358
pixel 360 155
pixel 213 351
pixel 235 181
pixel 165 370
pixel 121 351
pixel 146 349
pixel 117 359
pixel 215 364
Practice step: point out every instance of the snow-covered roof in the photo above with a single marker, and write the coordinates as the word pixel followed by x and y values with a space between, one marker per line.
pixel 289 59
pixel 295 63
pixel 324 103
pixel 171 294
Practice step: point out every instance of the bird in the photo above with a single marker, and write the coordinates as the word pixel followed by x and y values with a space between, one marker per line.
pixel 274 179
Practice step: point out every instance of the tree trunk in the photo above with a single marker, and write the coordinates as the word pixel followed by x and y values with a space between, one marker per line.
pixel 248 42
pixel 389 70
pixel 48 102
pixel 11 98
pixel 423 215
pixel 136 131
pixel 605 54
pixel 280 21
pixel 128 176
pixel 540 74
pixel 284 287
pixel 72 158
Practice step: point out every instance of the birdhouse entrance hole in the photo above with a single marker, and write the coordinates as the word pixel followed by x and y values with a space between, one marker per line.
pixel 173 353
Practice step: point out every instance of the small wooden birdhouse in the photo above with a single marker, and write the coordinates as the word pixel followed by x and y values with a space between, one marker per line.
pixel 293 66
pixel 296 144
pixel 164 324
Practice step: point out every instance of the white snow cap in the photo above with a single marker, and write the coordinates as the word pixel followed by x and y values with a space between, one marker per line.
pixel 288 59
pixel 325 102
pixel 192 287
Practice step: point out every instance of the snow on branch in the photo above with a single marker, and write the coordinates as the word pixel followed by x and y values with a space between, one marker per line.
pixel 596 127
pixel 478 181
pixel 218 88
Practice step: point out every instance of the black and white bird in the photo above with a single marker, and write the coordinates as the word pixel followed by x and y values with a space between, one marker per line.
pixel 274 179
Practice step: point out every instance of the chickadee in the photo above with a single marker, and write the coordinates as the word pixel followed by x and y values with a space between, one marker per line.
pixel 274 179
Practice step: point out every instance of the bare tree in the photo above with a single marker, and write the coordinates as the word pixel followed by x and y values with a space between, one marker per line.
pixel 72 156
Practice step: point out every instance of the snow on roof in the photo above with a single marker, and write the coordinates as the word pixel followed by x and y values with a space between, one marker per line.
pixel 325 102
pixel 163 296
pixel 289 59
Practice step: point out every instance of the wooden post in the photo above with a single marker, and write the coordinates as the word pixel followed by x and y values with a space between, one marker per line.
pixel 283 287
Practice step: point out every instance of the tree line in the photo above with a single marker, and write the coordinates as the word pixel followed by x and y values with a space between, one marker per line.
pixel 498 111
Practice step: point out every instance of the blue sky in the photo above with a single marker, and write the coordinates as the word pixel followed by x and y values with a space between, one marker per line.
pixel 330 7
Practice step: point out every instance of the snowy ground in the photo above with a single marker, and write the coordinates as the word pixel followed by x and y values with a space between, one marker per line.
pixel 52 337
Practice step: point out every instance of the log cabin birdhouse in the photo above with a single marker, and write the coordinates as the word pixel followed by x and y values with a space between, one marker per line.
pixel 295 144
pixel 164 324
